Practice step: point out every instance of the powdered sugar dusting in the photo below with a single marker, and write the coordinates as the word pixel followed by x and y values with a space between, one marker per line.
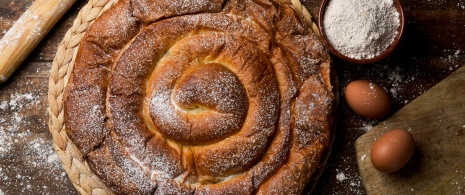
pixel 179 108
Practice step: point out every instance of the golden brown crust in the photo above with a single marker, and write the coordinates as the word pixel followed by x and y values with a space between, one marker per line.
pixel 207 97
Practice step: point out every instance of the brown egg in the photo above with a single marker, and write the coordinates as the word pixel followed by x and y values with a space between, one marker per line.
pixel 367 99
pixel 392 150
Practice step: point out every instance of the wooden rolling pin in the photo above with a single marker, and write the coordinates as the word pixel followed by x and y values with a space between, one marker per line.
pixel 28 31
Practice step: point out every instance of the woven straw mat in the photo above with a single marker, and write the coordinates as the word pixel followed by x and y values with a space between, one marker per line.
pixel 73 161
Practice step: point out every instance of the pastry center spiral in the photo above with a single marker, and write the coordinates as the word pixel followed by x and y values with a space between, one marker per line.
pixel 207 104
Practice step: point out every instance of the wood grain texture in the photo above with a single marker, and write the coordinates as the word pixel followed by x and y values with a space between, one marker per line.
pixel 433 48
pixel 437 123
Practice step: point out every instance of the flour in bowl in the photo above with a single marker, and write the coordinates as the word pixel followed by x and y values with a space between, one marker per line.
pixel 361 29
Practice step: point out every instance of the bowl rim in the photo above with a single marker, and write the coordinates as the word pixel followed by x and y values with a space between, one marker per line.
pixel 397 4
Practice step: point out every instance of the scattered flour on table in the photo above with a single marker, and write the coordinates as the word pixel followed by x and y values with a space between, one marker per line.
pixel 367 126
pixel 10 124
pixel 341 176
pixel 399 81
pixel 42 155
pixel 461 5
pixel 344 176
pixel 18 132
pixel 454 58
pixel 3 105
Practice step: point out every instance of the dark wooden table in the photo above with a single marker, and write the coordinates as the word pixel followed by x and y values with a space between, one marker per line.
pixel 432 48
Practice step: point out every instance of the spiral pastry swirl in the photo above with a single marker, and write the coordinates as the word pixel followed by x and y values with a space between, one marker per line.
pixel 200 97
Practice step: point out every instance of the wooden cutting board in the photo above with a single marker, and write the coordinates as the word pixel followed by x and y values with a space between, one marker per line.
pixel 436 120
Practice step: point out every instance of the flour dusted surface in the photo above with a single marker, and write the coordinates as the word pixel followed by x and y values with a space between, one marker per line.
pixel 361 29
pixel 28 160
